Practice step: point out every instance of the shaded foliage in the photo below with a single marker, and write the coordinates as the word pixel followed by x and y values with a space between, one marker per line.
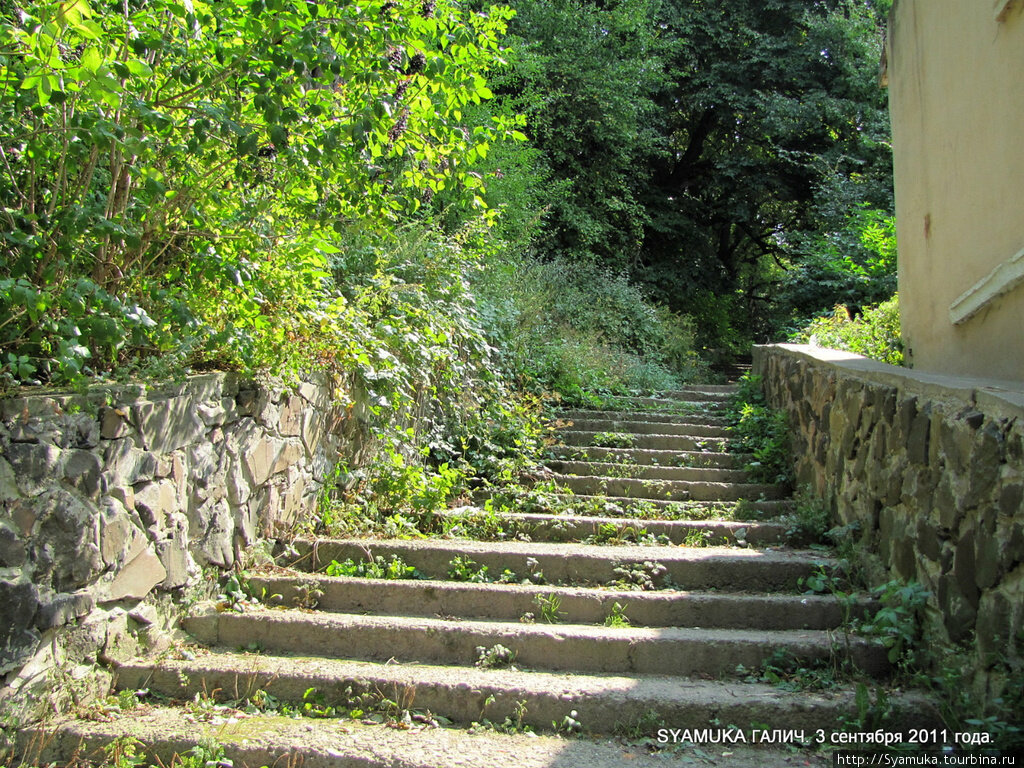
pixel 710 150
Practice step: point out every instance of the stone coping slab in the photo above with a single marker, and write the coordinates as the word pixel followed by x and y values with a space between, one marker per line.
pixel 1001 398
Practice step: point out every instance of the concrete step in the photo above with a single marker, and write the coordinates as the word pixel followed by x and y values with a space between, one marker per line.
pixel 669 490
pixel 553 647
pixel 628 440
pixel 648 471
pixel 647 456
pixel 603 703
pixel 467 522
pixel 577 605
pixel 273 740
pixel 623 426
pixel 644 416
pixel 723 391
pixel 681 401
pixel 577 564
pixel 622 506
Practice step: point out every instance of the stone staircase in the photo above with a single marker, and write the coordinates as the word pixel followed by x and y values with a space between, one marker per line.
pixel 647 598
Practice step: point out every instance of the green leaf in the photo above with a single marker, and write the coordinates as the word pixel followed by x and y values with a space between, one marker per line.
pixel 91 59
pixel 140 68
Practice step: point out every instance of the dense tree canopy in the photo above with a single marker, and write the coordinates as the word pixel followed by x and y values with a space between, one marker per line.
pixel 707 148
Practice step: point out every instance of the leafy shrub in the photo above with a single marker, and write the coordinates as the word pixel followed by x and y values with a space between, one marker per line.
pixel 580 330
pixel 875 333
pixel 760 430
pixel 855 265
pixel 157 195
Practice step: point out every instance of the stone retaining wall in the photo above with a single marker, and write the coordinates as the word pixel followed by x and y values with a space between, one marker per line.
pixel 930 469
pixel 112 502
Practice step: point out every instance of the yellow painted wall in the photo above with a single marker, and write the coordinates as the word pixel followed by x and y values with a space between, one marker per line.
pixel 956 98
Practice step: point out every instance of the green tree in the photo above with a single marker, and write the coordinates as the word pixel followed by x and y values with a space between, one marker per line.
pixel 707 149
pixel 582 74
pixel 771 117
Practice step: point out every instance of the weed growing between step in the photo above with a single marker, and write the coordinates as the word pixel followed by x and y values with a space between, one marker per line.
pixel 610 534
pixel 647 575
pixel 760 430
pixel 617 618
pixel 128 752
pixel 530 500
pixel 613 440
pixel 374 568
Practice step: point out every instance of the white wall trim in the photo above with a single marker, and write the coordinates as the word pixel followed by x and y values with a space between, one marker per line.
pixel 999 281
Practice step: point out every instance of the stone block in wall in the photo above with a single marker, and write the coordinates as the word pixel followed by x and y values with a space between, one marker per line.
pixel 35 466
pixel 119 528
pixel 269 455
pixel 965 567
pixel 987 457
pixel 1011 499
pixel 958 613
pixel 113 423
pixel 928 537
pixel 205 472
pixel 197 388
pixel 1000 625
pixel 948 498
pixel 12 548
pixel 9 490
pixel 142 570
pixel 65 544
pixel 125 464
pixel 218 413
pixel 19 604
pixel 63 429
pixel 63 608
pixel 284 502
pixel 167 425
pixel 955 438
pixel 918 435
pixel 172 549
pixel 290 420
pixel 156 501
pixel 83 470
pixel 313 431
pixel 211 533
pixel 237 482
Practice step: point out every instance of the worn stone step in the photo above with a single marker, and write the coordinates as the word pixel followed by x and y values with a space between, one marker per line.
pixel 603 703
pixel 577 605
pixel 644 416
pixel 648 471
pixel 691 399
pixel 685 567
pixel 647 456
pixel 472 522
pixel 565 647
pixel 621 506
pixel 657 404
pixel 670 490
pixel 628 440
pixel 623 426
pixel 283 742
